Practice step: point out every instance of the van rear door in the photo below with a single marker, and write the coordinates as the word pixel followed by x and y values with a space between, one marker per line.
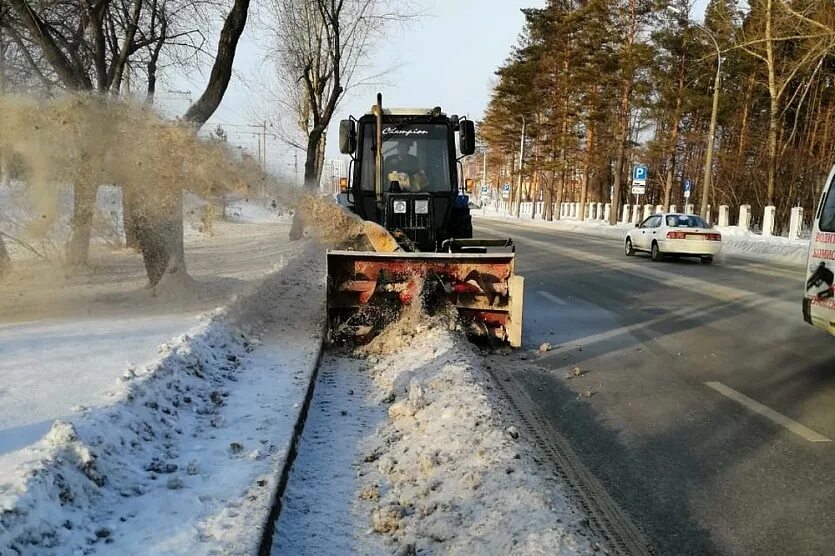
pixel 819 301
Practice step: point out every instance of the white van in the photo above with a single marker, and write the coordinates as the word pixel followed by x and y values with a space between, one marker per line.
pixel 819 301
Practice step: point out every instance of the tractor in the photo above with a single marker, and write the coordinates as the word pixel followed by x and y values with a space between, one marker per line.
pixel 405 176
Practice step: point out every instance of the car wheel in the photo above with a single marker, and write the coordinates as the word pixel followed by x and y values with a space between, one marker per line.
pixel 707 259
pixel 655 254
pixel 628 248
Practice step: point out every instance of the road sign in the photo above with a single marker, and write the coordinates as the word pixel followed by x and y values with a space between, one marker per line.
pixel 638 188
pixel 506 190
pixel 687 185
pixel 639 174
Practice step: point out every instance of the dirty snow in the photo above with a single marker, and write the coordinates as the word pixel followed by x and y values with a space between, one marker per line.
pixel 735 242
pixel 446 470
pixel 181 454
pixel 319 513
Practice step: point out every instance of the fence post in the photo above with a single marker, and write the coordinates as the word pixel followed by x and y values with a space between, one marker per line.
pixel 688 209
pixel 724 216
pixel 607 211
pixel 624 216
pixel 673 208
pixel 744 217
pixel 768 221
pixel 647 211
pixel 796 223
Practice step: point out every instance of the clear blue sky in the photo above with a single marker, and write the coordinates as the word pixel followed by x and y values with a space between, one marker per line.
pixel 448 59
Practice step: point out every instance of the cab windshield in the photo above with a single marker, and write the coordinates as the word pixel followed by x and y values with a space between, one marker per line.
pixel 827 218
pixel 415 158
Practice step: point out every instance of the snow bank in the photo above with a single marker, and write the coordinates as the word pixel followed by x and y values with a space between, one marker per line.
pixel 735 242
pixel 448 472
pixel 185 458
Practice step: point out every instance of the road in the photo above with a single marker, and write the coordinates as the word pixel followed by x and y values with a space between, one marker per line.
pixel 706 405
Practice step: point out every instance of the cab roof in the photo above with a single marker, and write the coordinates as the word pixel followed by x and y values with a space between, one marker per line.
pixel 405 112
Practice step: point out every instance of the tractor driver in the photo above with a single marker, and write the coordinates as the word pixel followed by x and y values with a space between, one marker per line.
pixel 402 162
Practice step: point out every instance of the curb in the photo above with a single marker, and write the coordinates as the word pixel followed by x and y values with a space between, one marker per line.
pixel 268 526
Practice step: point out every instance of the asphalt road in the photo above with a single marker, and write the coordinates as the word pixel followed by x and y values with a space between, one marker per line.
pixel 706 403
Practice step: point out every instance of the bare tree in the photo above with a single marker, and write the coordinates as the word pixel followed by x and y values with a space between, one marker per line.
pixel 160 233
pixel 321 48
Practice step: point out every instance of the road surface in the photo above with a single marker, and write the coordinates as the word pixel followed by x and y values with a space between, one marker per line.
pixel 706 406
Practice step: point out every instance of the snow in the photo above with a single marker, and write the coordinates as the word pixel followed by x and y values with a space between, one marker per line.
pixel 319 513
pixel 80 364
pixel 452 472
pixel 439 465
pixel 735 241
pixel 98 403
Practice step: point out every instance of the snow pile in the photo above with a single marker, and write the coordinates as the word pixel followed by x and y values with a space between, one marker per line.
pixel 446 473
pixel 185 458
pixel 736 241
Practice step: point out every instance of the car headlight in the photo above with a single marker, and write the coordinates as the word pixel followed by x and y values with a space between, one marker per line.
pixel 421 207
pixel 399 207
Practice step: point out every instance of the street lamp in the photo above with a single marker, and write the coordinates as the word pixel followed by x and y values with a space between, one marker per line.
pixel 711 134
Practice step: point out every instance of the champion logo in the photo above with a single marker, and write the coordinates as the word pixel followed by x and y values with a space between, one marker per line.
pixel 406 132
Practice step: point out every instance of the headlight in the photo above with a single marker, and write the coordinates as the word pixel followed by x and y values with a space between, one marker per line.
pixel 421 207
pixel 399 207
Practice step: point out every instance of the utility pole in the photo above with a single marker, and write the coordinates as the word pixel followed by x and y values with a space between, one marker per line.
pixel 517 209
pixel 264 131
pixel 712 132
pixel 483 173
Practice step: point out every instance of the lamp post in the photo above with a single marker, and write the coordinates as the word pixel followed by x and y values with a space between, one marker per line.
pixel 711 134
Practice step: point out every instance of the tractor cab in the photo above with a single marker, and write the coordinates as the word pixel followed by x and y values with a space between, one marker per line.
pixel 405 173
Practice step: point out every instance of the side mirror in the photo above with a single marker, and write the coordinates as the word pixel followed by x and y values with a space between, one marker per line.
pixel 466 137
pixel 347 137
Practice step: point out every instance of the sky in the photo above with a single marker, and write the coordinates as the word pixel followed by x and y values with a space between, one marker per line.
pixel 446 59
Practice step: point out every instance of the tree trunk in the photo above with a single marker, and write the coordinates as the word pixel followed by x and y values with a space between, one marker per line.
pixel 129 217
pixel 622 133
pixel 159 232
pixel 5 260
pixel 312 159
pixel 81 226
pixel 584 192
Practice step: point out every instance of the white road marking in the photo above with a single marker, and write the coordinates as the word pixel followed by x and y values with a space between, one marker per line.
pixel 552 297
pixel 768 413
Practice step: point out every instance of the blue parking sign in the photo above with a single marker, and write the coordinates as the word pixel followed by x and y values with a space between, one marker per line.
pixel 687 186
pixel 639 173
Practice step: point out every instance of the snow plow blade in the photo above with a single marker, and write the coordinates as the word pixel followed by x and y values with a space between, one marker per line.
pixel 366 290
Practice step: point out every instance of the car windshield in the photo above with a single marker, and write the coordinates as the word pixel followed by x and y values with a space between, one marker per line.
pixel 415 157
pixel 686 221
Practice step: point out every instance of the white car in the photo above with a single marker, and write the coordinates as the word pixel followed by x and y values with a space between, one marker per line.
pixel 674 235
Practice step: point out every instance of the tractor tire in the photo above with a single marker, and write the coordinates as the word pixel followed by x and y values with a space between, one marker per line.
pixel 461 223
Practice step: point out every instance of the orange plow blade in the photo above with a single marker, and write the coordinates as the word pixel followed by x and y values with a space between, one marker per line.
pixel 366 290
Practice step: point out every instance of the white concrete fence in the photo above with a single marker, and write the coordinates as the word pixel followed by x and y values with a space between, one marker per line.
pixel 636 213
